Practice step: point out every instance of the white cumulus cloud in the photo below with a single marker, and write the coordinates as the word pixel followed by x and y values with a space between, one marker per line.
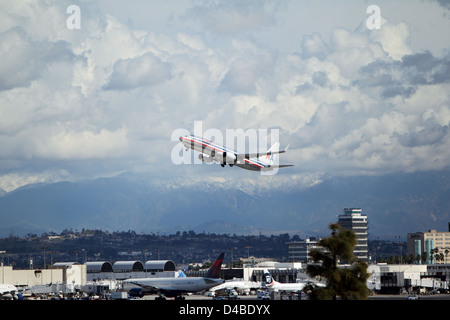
pixel 107 97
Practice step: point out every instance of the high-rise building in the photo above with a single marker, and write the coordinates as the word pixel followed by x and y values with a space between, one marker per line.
pixel 429 247
pixel 354 220
pixel 299 250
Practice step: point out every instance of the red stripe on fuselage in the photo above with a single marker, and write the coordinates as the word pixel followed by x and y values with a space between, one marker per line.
pixel 213 148
pixel 202 144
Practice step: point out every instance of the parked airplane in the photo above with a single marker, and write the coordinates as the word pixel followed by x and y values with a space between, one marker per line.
pixel 241 286
pixel 176 286
pixel 212 152
pixel 7 291
pixel 270 283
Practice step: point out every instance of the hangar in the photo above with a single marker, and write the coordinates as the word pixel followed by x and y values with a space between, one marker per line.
pixel 159 265
pixel 99 266
pixel 129 269
pixel 128 266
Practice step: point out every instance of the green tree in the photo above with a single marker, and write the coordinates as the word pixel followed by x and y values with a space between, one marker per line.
pixel 424 257
pixel 418 259
pixel 345 282
pixel 433 254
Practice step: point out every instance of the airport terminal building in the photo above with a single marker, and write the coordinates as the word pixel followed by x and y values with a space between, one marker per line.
pixel 97 278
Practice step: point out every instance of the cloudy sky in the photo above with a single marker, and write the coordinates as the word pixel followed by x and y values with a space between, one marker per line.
pixel 106 98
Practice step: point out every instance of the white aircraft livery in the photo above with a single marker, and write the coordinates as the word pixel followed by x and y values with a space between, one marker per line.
pixel 238 285
pixel 213 152
pixel 270 283
pixel 7 291
pixel 176 286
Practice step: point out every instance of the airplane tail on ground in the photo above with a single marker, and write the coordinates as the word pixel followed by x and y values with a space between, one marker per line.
pixel 214 271
pixel 268 278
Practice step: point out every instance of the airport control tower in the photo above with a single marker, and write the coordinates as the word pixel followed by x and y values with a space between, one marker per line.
pixel 354 220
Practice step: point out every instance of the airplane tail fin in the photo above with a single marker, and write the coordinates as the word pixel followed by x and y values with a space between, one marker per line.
pixel 214 271
pixel 268 278
pixel 270 159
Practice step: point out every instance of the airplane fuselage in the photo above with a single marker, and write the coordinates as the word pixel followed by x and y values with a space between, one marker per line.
pixel 270 283
pixel 239 285
pixel 211 151
pixel 7 291
pixel 290 287
pixel 175 286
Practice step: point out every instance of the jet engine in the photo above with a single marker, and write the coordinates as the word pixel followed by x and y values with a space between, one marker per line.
pixel 205 158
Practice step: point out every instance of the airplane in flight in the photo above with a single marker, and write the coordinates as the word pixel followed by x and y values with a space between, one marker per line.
pixel 270 283
pixel 7 291
pixel 176 286
pixel 213 152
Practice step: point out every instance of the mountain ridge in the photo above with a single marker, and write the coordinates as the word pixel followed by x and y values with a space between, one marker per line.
pixel 395 204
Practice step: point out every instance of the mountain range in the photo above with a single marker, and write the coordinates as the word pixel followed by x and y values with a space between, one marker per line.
pixel 395 205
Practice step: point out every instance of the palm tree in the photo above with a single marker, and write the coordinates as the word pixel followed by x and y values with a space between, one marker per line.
pixel 418 259
pixel 433 254
pixel 424 257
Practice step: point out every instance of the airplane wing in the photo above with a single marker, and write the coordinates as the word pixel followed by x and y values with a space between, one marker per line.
pixel 145 286
pixel 270 152
pixel 257 154
pixel 280 166
pixel 209 281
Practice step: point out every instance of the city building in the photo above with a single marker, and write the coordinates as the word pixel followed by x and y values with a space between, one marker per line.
pixel 354 220
pixel 299 250
pixel 394 279
pixel 64 276
pixel 99 278
pixel 432 247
